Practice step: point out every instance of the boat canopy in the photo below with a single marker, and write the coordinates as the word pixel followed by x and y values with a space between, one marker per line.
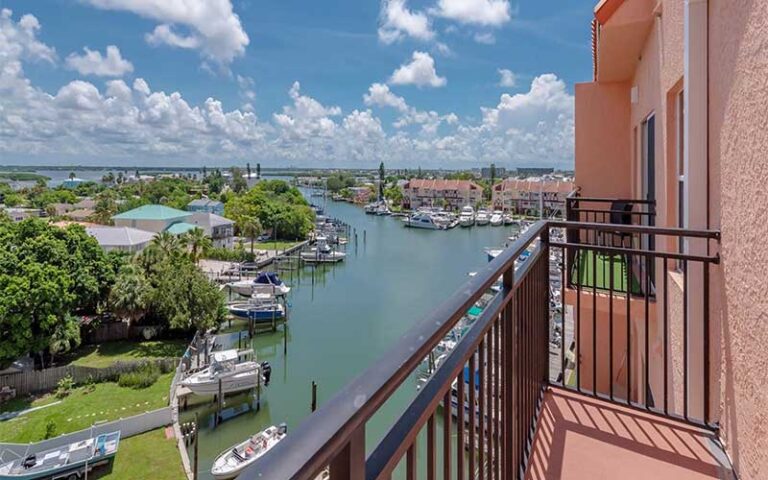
pixel 269 278
pixel 225 356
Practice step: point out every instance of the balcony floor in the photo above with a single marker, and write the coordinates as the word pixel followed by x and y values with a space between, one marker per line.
pixel 581 437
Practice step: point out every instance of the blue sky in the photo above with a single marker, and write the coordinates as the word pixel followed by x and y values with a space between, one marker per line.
pixel 291 82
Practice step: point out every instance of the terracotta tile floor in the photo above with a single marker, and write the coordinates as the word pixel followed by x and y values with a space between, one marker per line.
pixel 584 438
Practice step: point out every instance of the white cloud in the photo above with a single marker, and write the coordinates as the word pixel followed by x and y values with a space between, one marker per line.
pixel 245 85
pixel 507 78
pixel 397 21
pixel 486 38
pixel 420 72
pixel 129 121
pixel 209 25
pixel 491 13
pixel 93 63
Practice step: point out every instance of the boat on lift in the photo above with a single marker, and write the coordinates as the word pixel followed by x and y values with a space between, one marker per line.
pixel 231 462
pixel 226 370
pixel 322 252
pixel 265 282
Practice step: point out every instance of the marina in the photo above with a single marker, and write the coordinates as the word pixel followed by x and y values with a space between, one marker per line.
pixel 390 276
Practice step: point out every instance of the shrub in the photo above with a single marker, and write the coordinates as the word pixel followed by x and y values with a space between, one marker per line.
pixel 65 386
pixel 230 255
pixel 143 377
pixel 50 429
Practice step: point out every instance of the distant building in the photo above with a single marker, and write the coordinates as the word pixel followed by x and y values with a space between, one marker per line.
pixel 80 214
pixel 154 218
pixel 72 183
pixel 123 239
pixel 220 229
pixel 451 194
pixel 18 214
pixel 485 172
pixel 206 205
pixel 361 194
pixel 525 172
pixel 529 196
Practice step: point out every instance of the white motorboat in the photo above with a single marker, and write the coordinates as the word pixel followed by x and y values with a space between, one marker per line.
pixel 371 208
pixel 68 461
pixel 265 282
pixel 509 219
pixel 261 308
pixel 497 218
pixel 482 217
pixel 383 209
pixel 225 369
pixel 322 252
pixel 422 219
pixel 231 462
pixel 467 216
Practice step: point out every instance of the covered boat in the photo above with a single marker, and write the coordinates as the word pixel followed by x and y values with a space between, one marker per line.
pixel 68 461
pixel 230 463
pixel 265 282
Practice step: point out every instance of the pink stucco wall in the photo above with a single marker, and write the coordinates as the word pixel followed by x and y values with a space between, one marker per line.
pixel 738 145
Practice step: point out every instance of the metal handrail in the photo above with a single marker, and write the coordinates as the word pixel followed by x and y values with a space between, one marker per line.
pixel 315 442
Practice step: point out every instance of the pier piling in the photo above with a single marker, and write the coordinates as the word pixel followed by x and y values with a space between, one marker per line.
pixel 314 396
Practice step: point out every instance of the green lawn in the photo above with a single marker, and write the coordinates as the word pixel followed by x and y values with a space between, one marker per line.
pixel 83 407
pixel 597 272
pixel 279 245
pixel 149 455
pixel 105 354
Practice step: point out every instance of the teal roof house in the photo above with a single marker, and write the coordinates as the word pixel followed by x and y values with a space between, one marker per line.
pixel 155 218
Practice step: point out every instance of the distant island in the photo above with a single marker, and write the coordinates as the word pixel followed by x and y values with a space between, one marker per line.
pixel 23 177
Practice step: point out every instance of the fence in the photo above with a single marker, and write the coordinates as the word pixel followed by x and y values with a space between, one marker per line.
pixel 108 332
pixel 38 381
pixel 128 427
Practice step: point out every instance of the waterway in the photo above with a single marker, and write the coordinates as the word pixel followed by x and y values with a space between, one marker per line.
pixel 344 317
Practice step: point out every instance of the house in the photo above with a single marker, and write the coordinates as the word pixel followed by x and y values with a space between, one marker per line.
pixel 73 183
pixel 531 196
pixel 206 205
pixel 18 214
pixel 122 239
pixel 81 214
pixel 220 229
pixel 154 218
pixel 449 194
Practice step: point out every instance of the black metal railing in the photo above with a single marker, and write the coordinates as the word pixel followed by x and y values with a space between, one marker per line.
pixel 477 414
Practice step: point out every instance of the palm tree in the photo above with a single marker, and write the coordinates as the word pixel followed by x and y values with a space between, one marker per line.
pixel 131 295
pixel 251 228
pixel 167 243
pixel 198 243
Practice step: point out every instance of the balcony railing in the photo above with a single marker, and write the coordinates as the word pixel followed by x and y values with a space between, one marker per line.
pixel 477 414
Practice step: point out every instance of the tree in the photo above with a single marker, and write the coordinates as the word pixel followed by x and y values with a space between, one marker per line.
pixel 132 294
pixel 65 337
pixel 248 170
pixel 72 175
pixel 258 170
pixel 167 243
pixel 239 183
pixel 106 207
pixel 382 175
pixel 251 228
pixel 198 242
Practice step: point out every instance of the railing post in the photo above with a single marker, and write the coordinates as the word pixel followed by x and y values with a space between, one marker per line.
pixel 349 463
pixel 510 454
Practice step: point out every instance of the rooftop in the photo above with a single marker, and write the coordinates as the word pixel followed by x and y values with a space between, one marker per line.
pixel 119 236
pixel 203 202
pixel 442 184
pixel 152 212
pixel 180 228
pixel 209 220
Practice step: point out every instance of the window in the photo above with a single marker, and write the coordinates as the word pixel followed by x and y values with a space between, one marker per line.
pixel 681 203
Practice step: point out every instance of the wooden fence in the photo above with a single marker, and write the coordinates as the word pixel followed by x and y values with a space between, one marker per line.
pixel 38 381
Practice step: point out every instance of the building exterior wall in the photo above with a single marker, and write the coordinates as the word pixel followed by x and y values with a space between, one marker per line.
pixel 452 198
pixel 156 226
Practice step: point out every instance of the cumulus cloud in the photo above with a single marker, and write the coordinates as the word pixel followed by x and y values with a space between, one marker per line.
pixel 507 78
pixel 396 22
pixel 420 72
pixel 130 120
pixel 210 26
pixel 493 13
pixel 91 62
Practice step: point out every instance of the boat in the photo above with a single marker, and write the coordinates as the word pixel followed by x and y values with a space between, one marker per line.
pixel 509 219
pixel 482 217
pixel 322 252
pixel 423 220
pixel 497 218
pixel 382 209
pixel 370 209
pixel 231 462
pixel 261 307
pixel 67 461
pixel 467 216
pixel 226 370
pixel 265 282
pixel 493 253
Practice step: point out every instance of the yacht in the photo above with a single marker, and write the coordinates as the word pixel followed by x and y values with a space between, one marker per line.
pixel 261 308
pixel 226 370
pixel 422 219
pixel 382 209
pixel 482 217
pixel 467 216
pixel 322 252
pixel 497 218
pixel 265 282
pixel 231 462
pixel 509 219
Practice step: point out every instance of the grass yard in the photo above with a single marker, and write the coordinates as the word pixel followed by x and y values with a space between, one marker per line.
pixel 279 245
pixel 83 407
pixel 149 455
pixel 105 354
pixel 597 272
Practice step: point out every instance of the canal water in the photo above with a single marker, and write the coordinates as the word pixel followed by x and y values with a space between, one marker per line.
pixel 344 317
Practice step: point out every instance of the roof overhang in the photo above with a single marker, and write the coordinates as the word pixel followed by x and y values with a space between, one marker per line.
pixel 623 27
